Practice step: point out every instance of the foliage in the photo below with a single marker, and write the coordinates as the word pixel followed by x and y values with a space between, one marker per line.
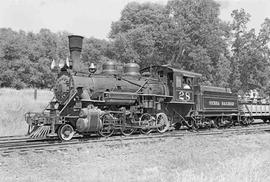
pixel 183 33
pixel 250 60
pixel 187 34
pixel 25 58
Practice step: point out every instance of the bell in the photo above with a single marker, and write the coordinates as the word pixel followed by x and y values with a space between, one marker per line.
pixel 92 68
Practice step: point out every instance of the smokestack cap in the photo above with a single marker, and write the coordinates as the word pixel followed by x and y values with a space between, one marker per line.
pixel 75 42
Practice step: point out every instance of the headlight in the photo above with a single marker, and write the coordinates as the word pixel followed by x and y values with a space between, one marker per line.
pixel 56 105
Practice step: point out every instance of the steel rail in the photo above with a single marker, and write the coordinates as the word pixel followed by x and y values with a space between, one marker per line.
pixel 14 137
pixel 52 145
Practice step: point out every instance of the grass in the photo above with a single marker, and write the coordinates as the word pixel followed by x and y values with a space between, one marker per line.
pixel 189 159
pixel 14 104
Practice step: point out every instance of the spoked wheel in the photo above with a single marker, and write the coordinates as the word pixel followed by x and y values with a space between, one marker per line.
pixel 65 132
pixel 127 130
pixel 162 120
pixel 230 123
pixel 222 123
pixel 193 124
pixel 107 128
pixel 246 121
pixel 145 120
pixel 217 123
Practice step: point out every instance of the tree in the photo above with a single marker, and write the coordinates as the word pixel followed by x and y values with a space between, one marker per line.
pixel 25 58
pixel 202 38
pixel 240 19
pixel 94 50
pixel 250 54
pixel 138 35
pixel 223 72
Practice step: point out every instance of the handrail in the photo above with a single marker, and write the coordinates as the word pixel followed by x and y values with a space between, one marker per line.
pixel 48 104
pixel 68 101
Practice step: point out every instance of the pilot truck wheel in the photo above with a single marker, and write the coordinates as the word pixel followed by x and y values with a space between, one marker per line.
pixel 65 132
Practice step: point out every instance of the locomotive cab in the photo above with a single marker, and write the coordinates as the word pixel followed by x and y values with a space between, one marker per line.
pixel 183 85
pixel 180 83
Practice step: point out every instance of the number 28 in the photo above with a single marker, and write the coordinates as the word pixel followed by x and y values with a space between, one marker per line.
pixel 184 95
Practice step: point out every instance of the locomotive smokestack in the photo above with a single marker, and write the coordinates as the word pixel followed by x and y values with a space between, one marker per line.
pixel 75 48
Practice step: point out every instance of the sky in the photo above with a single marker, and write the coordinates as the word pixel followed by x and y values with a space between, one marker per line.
pixel 93 18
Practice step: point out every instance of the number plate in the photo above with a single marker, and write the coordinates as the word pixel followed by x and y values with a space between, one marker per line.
pixel 185 96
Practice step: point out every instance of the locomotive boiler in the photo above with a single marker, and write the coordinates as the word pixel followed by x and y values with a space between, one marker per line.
pixel 131 100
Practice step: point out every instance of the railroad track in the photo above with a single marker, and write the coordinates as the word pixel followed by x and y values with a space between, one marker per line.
pixel 15 137
pixel 23 145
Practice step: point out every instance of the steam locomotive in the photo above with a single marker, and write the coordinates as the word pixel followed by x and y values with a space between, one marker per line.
pixel 154 98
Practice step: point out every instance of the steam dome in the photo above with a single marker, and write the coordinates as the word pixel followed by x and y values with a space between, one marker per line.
pixel 132 69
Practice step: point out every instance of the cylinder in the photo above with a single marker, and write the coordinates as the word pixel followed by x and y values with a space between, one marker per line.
pixel 89 121
pixel 83 125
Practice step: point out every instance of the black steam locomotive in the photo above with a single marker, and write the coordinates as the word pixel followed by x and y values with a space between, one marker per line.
pixel 154 98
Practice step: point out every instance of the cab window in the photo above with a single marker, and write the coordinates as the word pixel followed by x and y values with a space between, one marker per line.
pixel 178 82
pixel 187 83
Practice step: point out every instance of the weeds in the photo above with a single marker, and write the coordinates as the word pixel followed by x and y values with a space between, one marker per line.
pixel 14 104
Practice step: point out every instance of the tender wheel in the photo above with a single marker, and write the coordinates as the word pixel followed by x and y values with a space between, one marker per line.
pixel 162 120
pixel 218 123
pixel 246 121
pixel 193 124
pixel 145 120
pixel 107 128
pixel 65 132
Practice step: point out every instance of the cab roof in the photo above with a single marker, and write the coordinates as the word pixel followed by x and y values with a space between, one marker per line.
pixel 172 69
